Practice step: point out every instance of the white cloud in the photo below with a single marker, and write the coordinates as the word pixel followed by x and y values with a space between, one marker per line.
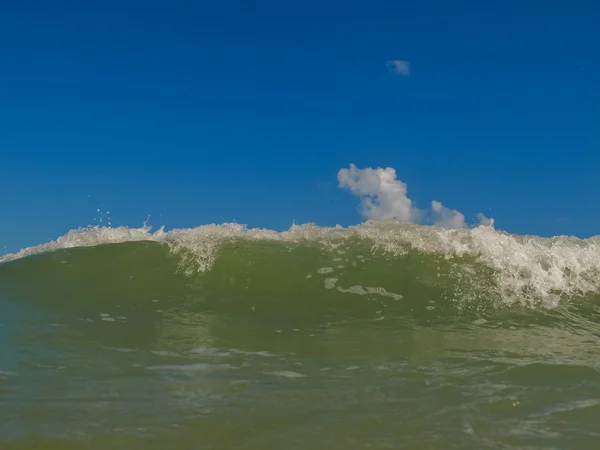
pixel 446 217
pixel 485 221
pixel 399 66
pixel 382 196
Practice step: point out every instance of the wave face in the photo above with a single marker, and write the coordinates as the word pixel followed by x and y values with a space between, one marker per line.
pixel 383 335
pixel 390 258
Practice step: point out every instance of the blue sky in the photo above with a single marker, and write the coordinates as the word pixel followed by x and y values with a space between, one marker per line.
pixel 201 112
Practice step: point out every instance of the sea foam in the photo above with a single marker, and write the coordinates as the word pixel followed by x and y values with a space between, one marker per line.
pixel 523 267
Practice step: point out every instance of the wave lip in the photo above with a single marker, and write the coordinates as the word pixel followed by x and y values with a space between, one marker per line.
pixel 526 269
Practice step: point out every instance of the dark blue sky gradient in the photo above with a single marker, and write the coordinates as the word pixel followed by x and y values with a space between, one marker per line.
pixel 196 112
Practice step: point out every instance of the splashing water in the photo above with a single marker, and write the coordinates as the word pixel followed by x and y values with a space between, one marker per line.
pixel 525 269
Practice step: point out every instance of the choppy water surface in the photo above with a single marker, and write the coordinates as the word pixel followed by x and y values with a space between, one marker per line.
pixel 380 336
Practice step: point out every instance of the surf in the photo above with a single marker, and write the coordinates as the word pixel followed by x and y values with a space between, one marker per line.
pixel 154 337
pixel 373 259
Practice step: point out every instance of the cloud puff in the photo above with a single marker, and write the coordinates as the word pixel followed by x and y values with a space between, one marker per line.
pixel 399 67
pixel 383 196
pixel 446 217
pixel 485 221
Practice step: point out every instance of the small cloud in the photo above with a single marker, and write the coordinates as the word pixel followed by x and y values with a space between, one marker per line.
pixel 399 67
pixel 484 221
pixel 383 196
pixel 446 217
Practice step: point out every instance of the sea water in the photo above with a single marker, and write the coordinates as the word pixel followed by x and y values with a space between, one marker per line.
pixel 385 335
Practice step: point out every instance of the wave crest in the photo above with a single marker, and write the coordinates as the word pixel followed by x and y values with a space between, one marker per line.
pixel 481 261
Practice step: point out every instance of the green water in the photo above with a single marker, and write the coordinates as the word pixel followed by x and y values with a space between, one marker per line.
pixel 119 346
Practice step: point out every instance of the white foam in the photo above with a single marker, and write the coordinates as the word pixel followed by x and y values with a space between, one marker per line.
pixel 524 267
pixel 197 367
pixel 248 353
pixel 164 353
pixel 122 350
pixel 209 351
pixel 330 283
pixel 286 374
pixel 360 290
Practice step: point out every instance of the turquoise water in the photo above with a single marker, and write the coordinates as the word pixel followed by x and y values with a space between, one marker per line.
pixel 380 336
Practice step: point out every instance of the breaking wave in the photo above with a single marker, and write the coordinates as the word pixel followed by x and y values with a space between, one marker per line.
pixel 465 265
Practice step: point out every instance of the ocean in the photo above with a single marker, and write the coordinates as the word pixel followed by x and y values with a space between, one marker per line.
pixel 385 335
